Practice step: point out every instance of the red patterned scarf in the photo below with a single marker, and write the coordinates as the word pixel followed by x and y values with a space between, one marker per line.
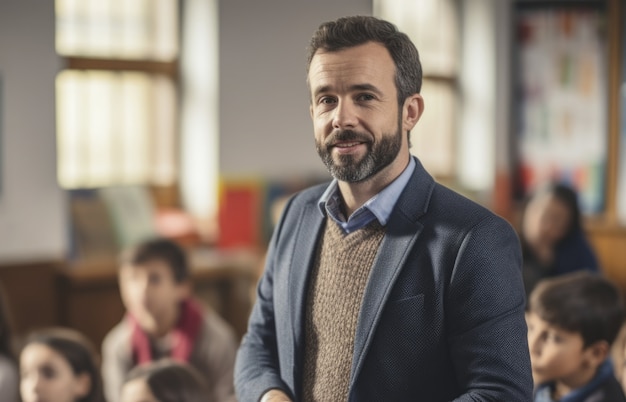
pixel 183 335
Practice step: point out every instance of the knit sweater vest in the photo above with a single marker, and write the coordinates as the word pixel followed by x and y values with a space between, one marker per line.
pixel 338 279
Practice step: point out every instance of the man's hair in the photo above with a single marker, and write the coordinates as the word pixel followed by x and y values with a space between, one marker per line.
pixel 583 302
pixel 160 249
pixel 347 32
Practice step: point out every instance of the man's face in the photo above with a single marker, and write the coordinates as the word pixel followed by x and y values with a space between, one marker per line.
pixel 557 354
pixel 152 295
pixel 359 131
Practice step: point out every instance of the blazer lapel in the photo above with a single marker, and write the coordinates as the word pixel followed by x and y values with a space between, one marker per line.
pixel 304 245
pixel 402 232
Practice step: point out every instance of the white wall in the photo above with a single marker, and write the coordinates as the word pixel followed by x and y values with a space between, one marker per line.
pixel 264 116
pixel 32 207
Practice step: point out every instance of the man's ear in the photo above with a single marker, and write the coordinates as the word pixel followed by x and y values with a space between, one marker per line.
pixel 412 111
pixel 82 385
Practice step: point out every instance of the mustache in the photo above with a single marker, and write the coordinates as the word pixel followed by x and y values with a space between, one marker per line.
pixel 346 135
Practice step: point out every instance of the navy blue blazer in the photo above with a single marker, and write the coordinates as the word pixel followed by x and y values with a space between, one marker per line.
pixel 442 316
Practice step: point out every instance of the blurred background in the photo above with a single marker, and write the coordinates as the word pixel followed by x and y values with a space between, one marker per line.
pixel 121 119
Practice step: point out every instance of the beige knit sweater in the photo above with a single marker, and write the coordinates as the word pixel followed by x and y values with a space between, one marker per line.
pixel 342 266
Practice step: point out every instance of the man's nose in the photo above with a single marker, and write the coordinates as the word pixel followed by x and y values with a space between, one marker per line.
pixel 345 115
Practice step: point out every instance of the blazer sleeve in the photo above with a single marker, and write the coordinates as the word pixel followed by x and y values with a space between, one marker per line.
pixel 485 314
pixel 257 368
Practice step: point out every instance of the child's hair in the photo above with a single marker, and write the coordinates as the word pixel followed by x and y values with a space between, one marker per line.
pixel 172 381
pixel 582 302
pixel 78 351
pixel 6 332
pixel 159 249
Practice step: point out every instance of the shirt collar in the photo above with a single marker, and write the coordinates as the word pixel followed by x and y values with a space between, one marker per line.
pixel 380 205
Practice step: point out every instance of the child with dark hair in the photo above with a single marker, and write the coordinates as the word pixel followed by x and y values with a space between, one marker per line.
pixel 59 365
pixel 163 320
pixel 552 235
pixel 573 319
pixel 164 381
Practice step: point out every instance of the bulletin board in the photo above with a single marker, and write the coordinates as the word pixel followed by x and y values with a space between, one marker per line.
pixel 560 100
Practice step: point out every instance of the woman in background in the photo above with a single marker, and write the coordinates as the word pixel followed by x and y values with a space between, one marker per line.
pixel 59 365
pixel 553 239
pixel 9 376
pixel 164 381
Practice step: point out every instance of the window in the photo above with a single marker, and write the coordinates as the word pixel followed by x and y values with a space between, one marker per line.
pixel 117 97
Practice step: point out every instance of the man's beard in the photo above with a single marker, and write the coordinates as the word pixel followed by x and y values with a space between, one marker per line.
pixel 348 169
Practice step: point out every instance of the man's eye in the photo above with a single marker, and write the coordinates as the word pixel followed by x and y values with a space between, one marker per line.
pixel 365 97
pixel 327 100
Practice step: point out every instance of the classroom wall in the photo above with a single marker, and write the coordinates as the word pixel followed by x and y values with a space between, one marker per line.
pixel 264 108
pixel 32 207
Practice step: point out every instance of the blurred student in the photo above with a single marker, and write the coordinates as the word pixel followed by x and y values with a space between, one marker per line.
pixel 9 376
pixel 553 239
pixel 164 381
pixel 164 321
pixel 573 320
pixel 59 365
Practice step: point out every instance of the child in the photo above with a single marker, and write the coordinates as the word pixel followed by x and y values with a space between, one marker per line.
pixel 164 381
pixel 59 364
pixel 552 236
pixel 573 320
pixel 164 321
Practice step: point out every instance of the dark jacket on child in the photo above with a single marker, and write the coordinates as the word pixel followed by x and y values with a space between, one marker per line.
pixel 604 387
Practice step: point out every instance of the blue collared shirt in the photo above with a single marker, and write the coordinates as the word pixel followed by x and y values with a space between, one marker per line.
pixel 378 207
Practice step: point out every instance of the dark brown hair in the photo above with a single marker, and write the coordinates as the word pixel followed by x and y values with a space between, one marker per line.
pixel 78 351
pixel 583 302
pixel 162 249
pixel 172 381
pixel 353 31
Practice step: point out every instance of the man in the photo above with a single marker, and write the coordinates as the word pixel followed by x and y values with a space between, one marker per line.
pixel 383 285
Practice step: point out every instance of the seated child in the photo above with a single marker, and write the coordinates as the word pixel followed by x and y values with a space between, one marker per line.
pixel 164 321
pixel 553 239
pixel 573 320
pixel 164 381
pixel 59 364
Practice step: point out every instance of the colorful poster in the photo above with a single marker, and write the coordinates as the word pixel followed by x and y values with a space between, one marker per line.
pixel 561 100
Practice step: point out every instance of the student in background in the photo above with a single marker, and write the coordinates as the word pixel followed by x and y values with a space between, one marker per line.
pixel 164 321
pixel 59 365
pixel 573 320
pixel 553 240
pixel 9 376
pixel 164 381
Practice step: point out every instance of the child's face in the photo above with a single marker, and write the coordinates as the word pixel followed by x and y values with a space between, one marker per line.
pixel 558 355
pixel 546 220
pixel 47 376
pixel 152 295
pixel 137 390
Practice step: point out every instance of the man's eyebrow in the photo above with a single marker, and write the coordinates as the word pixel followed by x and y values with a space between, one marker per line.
pixel 355 87
pixel 365 87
